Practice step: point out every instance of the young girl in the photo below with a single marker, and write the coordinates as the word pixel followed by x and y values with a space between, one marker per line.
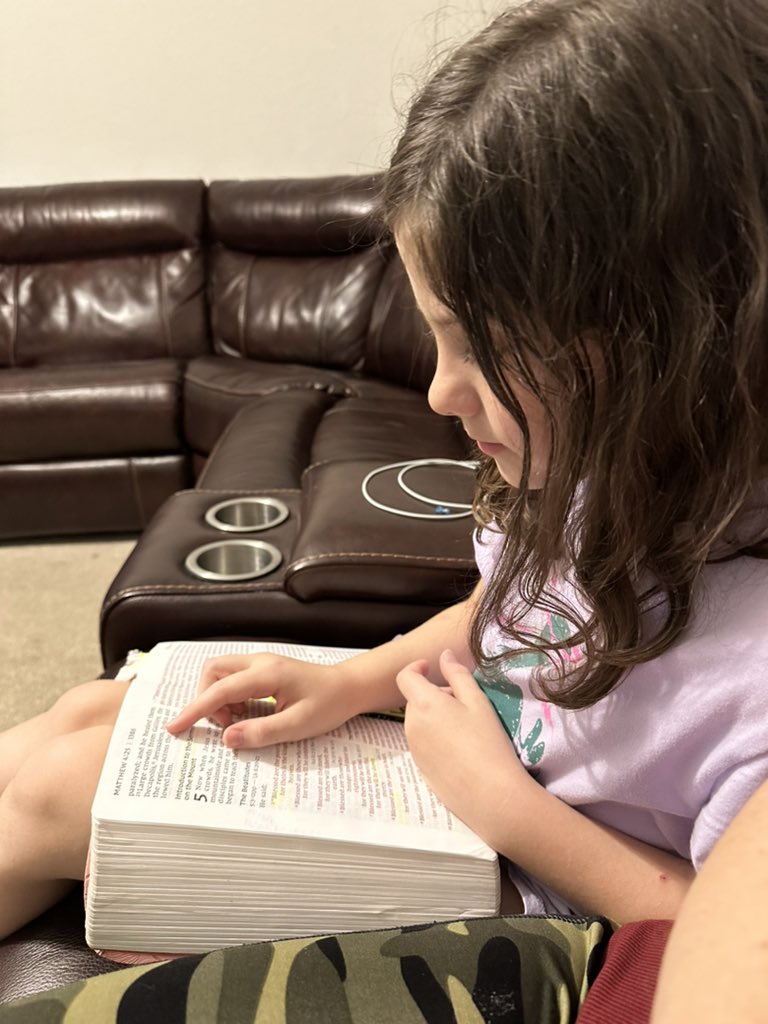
pixel 580 197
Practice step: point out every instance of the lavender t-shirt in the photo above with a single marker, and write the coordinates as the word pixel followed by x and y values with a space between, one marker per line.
pixel 673 752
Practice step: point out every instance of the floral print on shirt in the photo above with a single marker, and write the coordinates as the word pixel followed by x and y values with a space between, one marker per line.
pixel 508 698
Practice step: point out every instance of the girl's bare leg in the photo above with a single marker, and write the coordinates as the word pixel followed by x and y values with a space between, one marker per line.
pixel 49 767
pixel 95 703
pixel 45 823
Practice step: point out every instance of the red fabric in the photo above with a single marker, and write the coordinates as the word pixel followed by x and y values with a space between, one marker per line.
pixel 623 990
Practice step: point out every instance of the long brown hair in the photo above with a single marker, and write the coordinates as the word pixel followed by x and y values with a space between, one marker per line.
pixel 590 170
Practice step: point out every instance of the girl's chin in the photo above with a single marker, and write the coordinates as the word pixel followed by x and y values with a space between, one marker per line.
pixel 509 465
pixel 510 470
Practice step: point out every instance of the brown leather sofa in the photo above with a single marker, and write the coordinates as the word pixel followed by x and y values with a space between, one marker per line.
pixel 242 337
pixel 168 345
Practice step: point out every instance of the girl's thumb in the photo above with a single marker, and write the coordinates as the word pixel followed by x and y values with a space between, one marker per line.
pixel 412 677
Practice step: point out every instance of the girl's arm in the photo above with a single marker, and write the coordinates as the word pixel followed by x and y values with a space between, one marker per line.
pixel 596 869
pixel 371 676
pixel 312 699
pixel 716 961
pixel 465 754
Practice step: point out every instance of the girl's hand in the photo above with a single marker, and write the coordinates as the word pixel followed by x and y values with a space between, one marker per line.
pixel 467 758
pixel 460 746
pixel 309 699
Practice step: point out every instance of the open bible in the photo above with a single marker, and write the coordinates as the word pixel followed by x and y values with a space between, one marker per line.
pixel 195 846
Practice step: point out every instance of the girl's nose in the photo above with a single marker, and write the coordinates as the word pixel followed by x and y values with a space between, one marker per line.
pixel 452 392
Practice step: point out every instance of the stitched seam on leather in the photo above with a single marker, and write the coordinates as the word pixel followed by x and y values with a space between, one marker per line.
pixel 275 389
pixel 333 462
pixel 390 298
pixel 116 385
pixel 328 462
pixel 210 588
pixel 15 315
pixel 389 556
pixel 326 328
pixel 170 589
pixel 417 414
pixel 244 309
pixel 256 491
pixel 136 491
pixel 162 296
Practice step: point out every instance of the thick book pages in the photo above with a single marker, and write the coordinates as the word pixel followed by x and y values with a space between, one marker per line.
pixel 196 847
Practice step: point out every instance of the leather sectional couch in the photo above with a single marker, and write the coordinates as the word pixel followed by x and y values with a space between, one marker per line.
pixel 168 345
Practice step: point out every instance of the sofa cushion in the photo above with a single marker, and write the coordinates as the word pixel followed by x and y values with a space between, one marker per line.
pixel 268 443
pixel 294 269
pixel 357 416
pixel 294 216
pixel 54 223
pixel 389 424
pixel 70 497
pixel 72 412
pixel 216 388
pixel 310 309
pixel 103 271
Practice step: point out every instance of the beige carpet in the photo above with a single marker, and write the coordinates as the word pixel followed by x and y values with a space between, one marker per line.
pixel 50 597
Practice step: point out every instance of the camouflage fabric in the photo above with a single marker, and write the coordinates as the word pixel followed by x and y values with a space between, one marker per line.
pixel 500 970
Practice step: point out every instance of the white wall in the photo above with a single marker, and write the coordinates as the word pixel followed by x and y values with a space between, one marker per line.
pixel 119 89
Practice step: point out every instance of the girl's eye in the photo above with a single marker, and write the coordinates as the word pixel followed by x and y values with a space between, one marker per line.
pixel 453 342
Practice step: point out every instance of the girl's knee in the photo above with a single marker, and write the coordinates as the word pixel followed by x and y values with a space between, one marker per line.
pixel 58 781
pixel 87 705
pixel 46 809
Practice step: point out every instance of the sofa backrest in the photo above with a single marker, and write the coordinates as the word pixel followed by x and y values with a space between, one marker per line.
pixel 399 346
pixel 300 273
pixel 102 271
pixel 296 271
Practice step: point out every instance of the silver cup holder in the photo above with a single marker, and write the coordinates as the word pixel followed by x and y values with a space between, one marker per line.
pixel 246 514
pixel 227 561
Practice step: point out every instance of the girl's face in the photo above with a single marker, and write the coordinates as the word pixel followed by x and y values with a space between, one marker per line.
pixel 459 389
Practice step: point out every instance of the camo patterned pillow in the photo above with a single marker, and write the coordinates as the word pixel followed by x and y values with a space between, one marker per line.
pixel 498 970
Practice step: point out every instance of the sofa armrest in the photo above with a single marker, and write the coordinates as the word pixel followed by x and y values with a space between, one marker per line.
pixel 348 549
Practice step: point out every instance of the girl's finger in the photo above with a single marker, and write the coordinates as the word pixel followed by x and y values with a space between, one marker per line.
pixel 222 718
pixel 226 716
pixel 230 691
pixel 218 668
pixel 280 727
pixel 458 676
pixel 412 680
